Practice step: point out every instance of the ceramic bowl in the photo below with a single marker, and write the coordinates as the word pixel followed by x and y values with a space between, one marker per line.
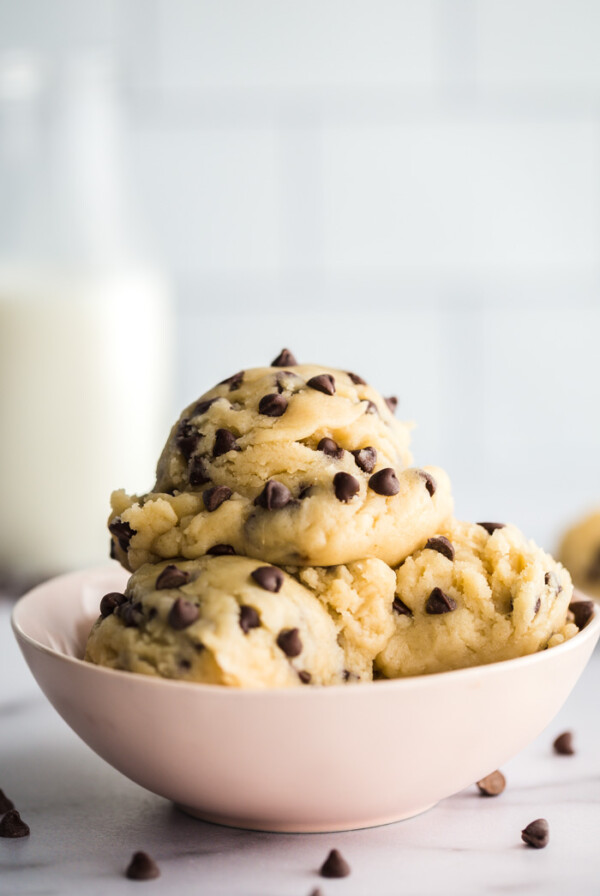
pixel 306 759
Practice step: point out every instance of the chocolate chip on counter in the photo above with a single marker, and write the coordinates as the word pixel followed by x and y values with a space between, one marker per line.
pixel 563 745
pixel 442 545
pixel 490 528
pixel 385 482
pixel 215 496
pixel 197 474
pixel 274 496
pixel 203 406
pixel 345 486
pixel 289 641
pixel 5 804
pixel 323 383
pixel 430 483
pixel 171 577
pixel 439 602
pixel 371 408
pixel 356 379
pixel 268 577
pixel 142 867
pixel 304 676
pixel 122 531
pixel 182 614
pixel 551 580
pixel 536 834
pixel 131 613
pixel 538 604
pixel 582 610
pixel 273 405
pixel 249 618
pixel 392 402
pixel 398 606
pixel 234 382
pixel 335 865
pixel 224 441
pixel 12 825
pixel 187 438
pixel 493 784
pixel 110 602
pixel 221 550
pixel 284 359
pixel 330 448
pixel 365 458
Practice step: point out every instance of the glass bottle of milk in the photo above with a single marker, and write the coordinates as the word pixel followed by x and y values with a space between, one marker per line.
pixel 85 324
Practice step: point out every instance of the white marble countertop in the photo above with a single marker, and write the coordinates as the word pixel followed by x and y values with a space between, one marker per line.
pixel 86 820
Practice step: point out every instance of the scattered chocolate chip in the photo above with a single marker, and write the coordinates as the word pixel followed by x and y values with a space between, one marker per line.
pixel 289 641
pixel 551 580
pixel 110 602
pixel 305 677
pixel 439 602
pixel 122 532
pixel 330 448
pixel 203 406
pixel 221 550
pixel 284 359
pixel 273 405
pixel 182 614
pixel 197 473
pixel 356 379
pixel 274 496
pixel 142 867
pixel 385 482
pixel 538 604
pixel 493 784
pixel 563 745
pixel 491 527
pixel 317 892
pixel 187 438
pixel 371 408
pixel 345 486
pixel 268 577
pixel 215 496
pixel 323 383
pixel 442 545
pixel 365 458
pixel 12 825
pixel 398 606
pixel 335 865
pixel 249 618
pixel 234 382
pixel 430 483
pixel 131 613
pixel 224 441
pixel 5 804
pixel 392 403
pixel 536 834
pixel 171 577
pixel 582 610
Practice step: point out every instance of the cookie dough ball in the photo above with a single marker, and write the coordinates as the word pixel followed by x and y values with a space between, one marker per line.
pixel 218 620
pixel 580 552
pixel 475 594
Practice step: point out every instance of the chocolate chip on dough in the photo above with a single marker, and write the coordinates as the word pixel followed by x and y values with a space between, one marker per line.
pixel 335 865
pixel 323 383
pixel 249 618
pixel 234 382
pixel 385 482
pixel 187 438
pixel 284 359
pixel 442 545
pixel 371 408
pixel 171 577
pixel 330 448
pixel 122 531
pixel 439 602
pixel 392 402
pixel 268 577
pixel 490 528
pixel 305 677
pixel 224 441
pixel 365 459
pixel 142 867
pixel 221 550
pixel 356 379
pixel 215 496
pixel 197 473
pixel 345 486
pixel 273 405
pixel 203 406
pixel 182 614
pixel 289 641
pixel 398 606
pixel 430 483
pixel 274 496
pixel 110 602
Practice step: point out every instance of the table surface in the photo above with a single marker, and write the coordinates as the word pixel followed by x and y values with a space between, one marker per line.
pixel 86 820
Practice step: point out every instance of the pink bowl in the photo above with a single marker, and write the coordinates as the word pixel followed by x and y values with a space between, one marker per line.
pixel 311 759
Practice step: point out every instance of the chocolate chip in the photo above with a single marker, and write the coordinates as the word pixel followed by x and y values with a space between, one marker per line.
pixel 112 550
pixel 304 492
pixel 493 784
pixel 182 614
pixel 185 664
pixel 249 618
pixel 5 804
pixel 400 607
pixel 305 677
pixel 215 496
pixel 323 383
pixel 385 482
pixel 551 580
pixel 284 359
pixel 110 602
pixel 187 438
pixel 335 865
pixel 131 613
pixel 536 834
pixel 371 408
pixel 442 545
pixel 152 613
pixel 274 496
pixel 234 382
pixel 224 442
pixel 356 379
pixel 317 892
pixel 203 406
pixel 122 531
pixel 12 825
pixel 563 745
pixel 392 403
pixel 171 577
pixel 273 405
pixel 221 550
pixel 365 458
pixel 491 527
pixel 430 483
pixel 538 604
pixel 142 867
pixel 439 602
pixel 197 473
pixel 268 577
pixel 345 486
pixel 289 641
pixel 330 448
pixel 582 610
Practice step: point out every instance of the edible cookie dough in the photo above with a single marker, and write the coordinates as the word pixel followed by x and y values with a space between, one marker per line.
pixel 475 594
pixel 580 552
pixel 301 465
pixel 220 620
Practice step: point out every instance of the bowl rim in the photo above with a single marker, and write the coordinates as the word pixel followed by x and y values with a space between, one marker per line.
pixel 590 632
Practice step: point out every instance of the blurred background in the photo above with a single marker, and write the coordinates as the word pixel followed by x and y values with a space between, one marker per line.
pixel 404 188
